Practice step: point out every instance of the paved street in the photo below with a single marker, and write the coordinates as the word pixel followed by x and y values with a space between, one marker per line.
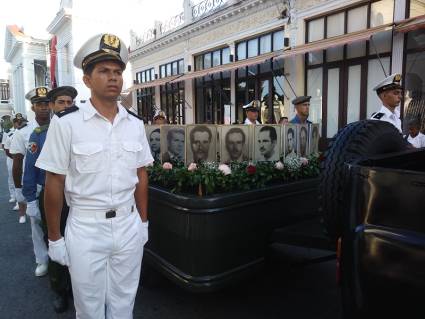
pixel 307 292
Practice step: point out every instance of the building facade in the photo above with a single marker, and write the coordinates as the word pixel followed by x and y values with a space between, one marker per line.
pixel 5 105
pixel 29 67
pixel 220 55
pixel 189 70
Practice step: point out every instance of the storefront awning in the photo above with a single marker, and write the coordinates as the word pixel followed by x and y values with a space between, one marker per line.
pixel 154 83
pixel 411 24
pixel 229 66
pixel 335 41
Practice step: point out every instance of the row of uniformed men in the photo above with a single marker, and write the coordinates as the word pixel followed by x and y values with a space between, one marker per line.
pixel 23 148
pixel 389 92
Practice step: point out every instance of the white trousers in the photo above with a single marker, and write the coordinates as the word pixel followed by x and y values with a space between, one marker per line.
pixel 40 248
pixel 11 184
pixel 105 260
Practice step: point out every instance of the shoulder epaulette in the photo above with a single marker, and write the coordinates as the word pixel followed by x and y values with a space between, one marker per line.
pixel 67 111
pixel 21 127
pixel 378 116
pixel 41 129
pixel 134 114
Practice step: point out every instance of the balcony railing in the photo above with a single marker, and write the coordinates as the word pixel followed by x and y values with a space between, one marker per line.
pixel 193 13
pixel 172 23
pixel 206 6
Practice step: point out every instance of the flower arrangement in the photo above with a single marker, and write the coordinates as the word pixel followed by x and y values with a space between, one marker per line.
pixel 212 178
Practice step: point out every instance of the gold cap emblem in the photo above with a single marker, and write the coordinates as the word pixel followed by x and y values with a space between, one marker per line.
pixel 111 40
pixel 397 78
pixel 41 92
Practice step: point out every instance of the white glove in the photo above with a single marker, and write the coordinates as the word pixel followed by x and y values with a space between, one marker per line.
pixel 33 210
pixel 18 195
pixel 145 230
pixel 58 252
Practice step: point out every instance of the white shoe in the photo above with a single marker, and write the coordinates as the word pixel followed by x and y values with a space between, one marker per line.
pixel 16 207
pixel 22 219
pixel 12 200
pixel 41 269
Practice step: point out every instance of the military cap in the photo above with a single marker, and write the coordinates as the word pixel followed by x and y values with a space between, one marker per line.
pixel 19 117
pixel 101 47
pixel 252 106
pixel 159 113
pixel 38 94
pixel 62 91
pixel 391 82
pixel 301 99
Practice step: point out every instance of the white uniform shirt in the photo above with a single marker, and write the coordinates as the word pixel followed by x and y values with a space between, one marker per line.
pixel 99 158
pixel 21 137
pixel 7 139
pixel 388 116
pixel 418 141
pixel 248 122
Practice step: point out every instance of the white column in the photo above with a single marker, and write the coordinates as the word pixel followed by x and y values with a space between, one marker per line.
pixel 398 39
pixel 189 105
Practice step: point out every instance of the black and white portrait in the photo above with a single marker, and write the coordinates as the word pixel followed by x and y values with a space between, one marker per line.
pixel 267 143
pixel 201 143
pixel 153 134
pixel 289 141
pixel 234 142
pixel 302 140
pixel 172 143
pixel 314 139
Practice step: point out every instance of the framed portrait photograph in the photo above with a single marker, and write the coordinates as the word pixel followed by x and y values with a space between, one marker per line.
pixel 172 143
pixel 201 143
pixel 153 135
pixel 302 130
pixel 234 143
pixel 267 140
pixel 314 139
pixel 289 141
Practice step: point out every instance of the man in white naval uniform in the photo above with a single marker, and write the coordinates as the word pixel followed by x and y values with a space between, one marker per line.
pixel 6 142
pixel 390 92
pixel 96 153
pixel 251 110
pixel 40 106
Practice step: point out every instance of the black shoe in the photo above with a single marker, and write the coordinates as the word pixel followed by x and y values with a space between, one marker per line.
pixel 60 304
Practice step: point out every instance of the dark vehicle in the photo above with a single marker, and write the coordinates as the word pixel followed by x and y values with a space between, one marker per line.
pixel 382 250
pixel 372 208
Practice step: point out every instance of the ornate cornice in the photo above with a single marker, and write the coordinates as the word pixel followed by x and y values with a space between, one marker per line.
pixel 225 15
pixel 62 17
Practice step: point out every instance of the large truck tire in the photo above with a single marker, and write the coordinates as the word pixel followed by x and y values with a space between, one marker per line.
pixel 354 142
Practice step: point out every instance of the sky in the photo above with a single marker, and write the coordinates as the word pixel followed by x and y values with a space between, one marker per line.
pixel 35 16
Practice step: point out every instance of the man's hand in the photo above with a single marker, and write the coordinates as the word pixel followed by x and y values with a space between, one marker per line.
pixel 33 209
pixel 19 196
pixel 58 252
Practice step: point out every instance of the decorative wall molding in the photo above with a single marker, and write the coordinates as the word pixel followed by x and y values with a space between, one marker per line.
pixel 223 16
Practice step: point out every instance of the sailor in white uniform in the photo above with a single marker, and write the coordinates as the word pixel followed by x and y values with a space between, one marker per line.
pixel 96 152
pixel 390 93
pixel 20 143
pixel 6 142
pixel 251 110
